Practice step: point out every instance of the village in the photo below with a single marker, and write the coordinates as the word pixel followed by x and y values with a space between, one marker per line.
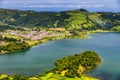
pixel 33 35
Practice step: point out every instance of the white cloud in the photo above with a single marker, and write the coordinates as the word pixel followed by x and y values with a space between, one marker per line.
pixel 66 6
pixel 99 5
pixel 84 2
pixel 11 5
pixel 57 6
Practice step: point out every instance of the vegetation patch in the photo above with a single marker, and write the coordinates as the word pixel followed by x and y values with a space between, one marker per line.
pixel 76 65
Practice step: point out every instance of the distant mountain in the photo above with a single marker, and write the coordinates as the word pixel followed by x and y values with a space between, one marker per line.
pixel 74 19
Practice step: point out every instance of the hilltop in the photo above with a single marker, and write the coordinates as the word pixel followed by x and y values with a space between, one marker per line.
pixel 71 20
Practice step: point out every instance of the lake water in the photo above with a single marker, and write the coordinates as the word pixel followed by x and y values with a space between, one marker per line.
pixel 42 57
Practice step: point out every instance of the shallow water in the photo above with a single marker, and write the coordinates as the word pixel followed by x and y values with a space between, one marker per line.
pixel 42 57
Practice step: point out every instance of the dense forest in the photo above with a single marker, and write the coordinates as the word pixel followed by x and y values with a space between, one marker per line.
pixel 70 20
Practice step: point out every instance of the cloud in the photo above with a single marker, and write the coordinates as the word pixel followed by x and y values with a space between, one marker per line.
pixel 99 5
pixel 67 5
pixel 50 6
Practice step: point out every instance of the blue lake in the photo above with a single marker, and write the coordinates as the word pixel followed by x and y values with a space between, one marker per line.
pixel 42 57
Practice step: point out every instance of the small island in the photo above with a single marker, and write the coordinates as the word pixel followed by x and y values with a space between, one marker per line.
pixel 72 67
pixel 76 65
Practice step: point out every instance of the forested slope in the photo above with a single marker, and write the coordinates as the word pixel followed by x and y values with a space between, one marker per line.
pixel 75 19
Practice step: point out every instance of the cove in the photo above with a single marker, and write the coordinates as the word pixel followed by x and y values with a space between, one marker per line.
pixel 42 57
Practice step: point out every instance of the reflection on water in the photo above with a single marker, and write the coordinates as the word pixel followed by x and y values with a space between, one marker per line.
pixel 102 75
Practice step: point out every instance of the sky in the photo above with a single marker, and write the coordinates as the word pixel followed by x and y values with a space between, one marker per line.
pixel 62 5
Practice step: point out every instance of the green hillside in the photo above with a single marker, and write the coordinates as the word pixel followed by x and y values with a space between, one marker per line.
pixel 74 19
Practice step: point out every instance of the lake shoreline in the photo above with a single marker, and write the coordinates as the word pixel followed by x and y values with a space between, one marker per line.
pixel 60 38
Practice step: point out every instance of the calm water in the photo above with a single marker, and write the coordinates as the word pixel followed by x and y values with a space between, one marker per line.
pixel 42 57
